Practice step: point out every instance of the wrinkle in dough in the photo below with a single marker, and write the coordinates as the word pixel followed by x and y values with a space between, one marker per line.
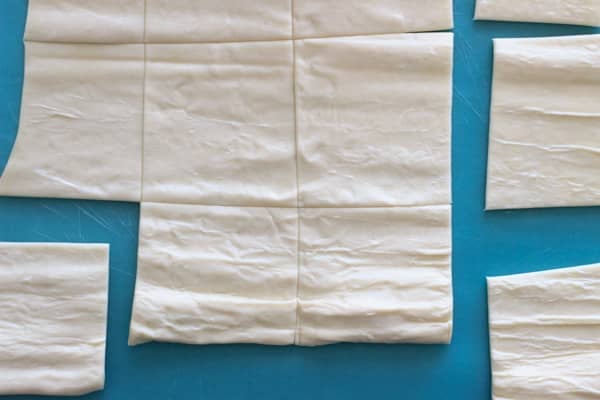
pixel 373 120
pixel 80 131
pixel 543 147
pixel 573 12
pixel 210 274
pixel 545 334
pixel 188 21
pixel 219 124
pixel 53 323
pixel 318 18
pixel 85 21
pixel 375 275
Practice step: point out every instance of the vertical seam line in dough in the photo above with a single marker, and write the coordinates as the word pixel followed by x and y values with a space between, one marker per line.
pixel 297 328
pixel 143 155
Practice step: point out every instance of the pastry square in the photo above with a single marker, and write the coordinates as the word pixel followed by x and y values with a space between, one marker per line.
pixel 318 18
pixel 374 120
pixel 80 133
pixel 545 123
pixel 185 21
pixel 216 275
pixel 85 21
pixel 574 12
pixel 219 124
pixel 53 323
pixel 545 334
pixel 375 275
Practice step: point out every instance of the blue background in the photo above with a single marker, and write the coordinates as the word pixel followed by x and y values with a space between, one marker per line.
pixel 484 244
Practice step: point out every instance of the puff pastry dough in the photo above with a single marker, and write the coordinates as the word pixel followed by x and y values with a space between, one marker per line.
pixel 375 275
pixel 236 117
pixel 220 124
pixel 216 275
pixel 545 334
pixel 53 322
pixel 574 12
pixel 80 134
pixel 374 120
pixel 318 18
pixel 85 21
pixel 176 21
pixel 544 133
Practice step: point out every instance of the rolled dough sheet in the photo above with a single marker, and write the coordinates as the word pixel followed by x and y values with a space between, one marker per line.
pixel 80 133
pixel 53 322
pixel 545 334
pixel 374 120
pixel 85 21
pixel 318 18
pixel 574 12
pixel 544 146
pixel 216 275
pixel 219 124
pixel 177 21
pixel 375 275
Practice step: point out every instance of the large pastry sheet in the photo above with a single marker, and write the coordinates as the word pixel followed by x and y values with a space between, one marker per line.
pixel 375 275
pixel 216 275
pixel 543 147
pixel 80 133
pixel 219 124
pixel 241 126
pixel 374 120
pixel 53 299
pixel 545 334
pixel 319 18
pixel 574 12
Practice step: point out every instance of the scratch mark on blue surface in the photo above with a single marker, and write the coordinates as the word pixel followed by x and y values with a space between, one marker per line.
pixel 44 235
pixel 470 105
pixel 55 211
pixel 123 272
pixel 466 58
pixel 104 224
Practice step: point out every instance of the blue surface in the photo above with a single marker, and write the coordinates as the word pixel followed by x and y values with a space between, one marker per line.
pixel 484 244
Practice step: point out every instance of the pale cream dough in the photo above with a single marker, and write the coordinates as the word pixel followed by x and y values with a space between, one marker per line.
pixel 374 120
pixel 319 18
pixel 373 130
pixel 375 275
pixel 574 12
pixel 228 274
pixel 219 124
pixel 216 275
pixel 85 21
pixel 53 299
pixel 80 133
pixel 544 132
pixel 545 334
pixel 177 21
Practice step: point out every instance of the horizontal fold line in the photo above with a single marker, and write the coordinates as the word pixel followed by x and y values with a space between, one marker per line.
pixel 299 38
pixel 340 207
